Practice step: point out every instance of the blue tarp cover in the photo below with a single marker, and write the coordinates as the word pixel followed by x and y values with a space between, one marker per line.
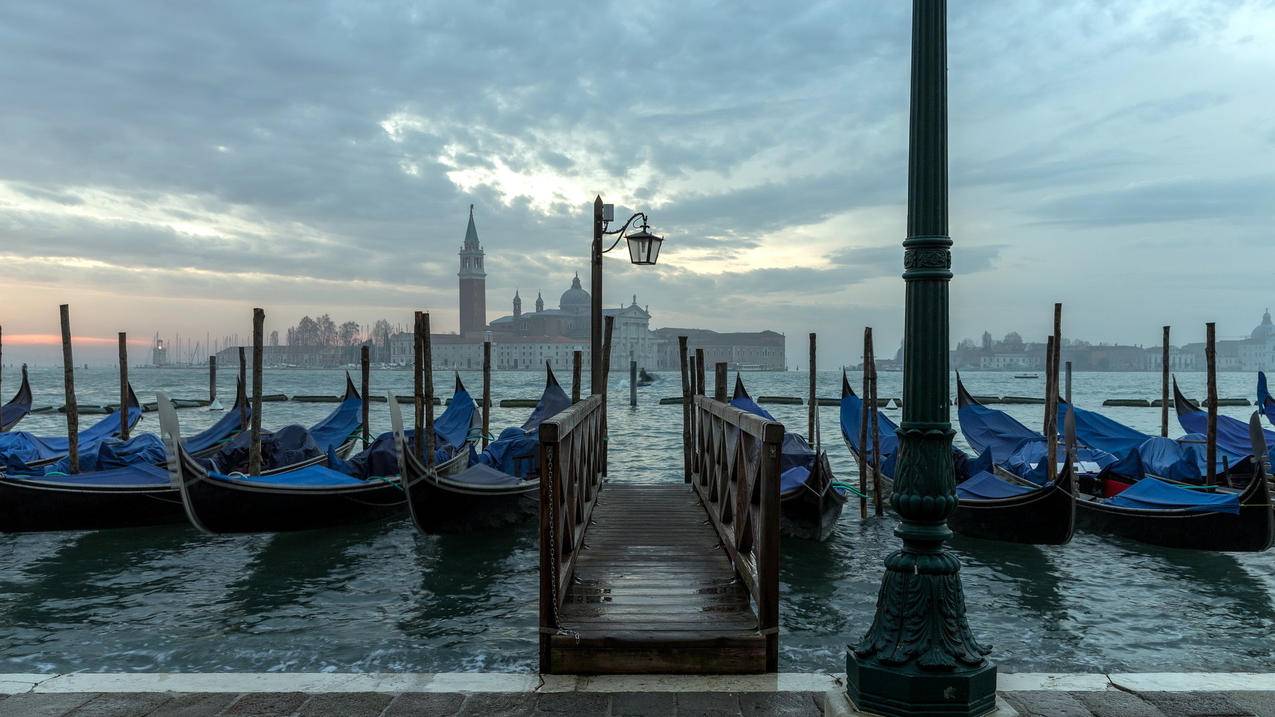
pixel 456 425
pixel 225 428
pixel 852 417
pixel 793 479
pixel 748 405
pixel 338 425
pixel 515 451
pixel 484 475
pixel 30 448
pixel 140 475
pixel 1160 457
pixel 1264 400
pixel 310 476
pixel 1152 494
pixel 986 486
pixel 1233 440
pixel 985 427
pixel 1096 430
pixel 380 458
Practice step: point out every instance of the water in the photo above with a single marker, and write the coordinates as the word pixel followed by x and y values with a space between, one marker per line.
pixel 380 598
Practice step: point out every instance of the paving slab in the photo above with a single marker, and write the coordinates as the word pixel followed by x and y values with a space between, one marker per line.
pixel 34 705
pixel 498 705
pixel 1036 703
pixel 201 704
pixel 346 704
pixel 440 704
pixel 787 704
pixel 1261 704
pixel 1195 704
pixel 643 704
pixel 573 703
pixel 121 704
pixel 267 704
pixel 1117 703
pixel 708 704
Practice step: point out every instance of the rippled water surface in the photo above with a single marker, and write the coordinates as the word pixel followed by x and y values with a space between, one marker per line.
pixel 380 598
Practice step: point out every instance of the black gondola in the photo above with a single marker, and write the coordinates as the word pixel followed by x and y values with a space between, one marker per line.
pixel 987 507
pixel 443 499
pixel 124 497
pixel 810 501
pixel 19 406
pixel 644 378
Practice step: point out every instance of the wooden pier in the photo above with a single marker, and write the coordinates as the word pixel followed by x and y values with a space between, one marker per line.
pixel 673 577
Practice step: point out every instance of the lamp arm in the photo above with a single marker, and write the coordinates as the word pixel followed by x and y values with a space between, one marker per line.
pixel 622 229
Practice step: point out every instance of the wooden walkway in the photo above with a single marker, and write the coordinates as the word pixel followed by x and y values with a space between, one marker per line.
pixel 676 577
pixel 655 591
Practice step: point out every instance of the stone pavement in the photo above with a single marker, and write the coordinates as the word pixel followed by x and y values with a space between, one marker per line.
pixel 491 695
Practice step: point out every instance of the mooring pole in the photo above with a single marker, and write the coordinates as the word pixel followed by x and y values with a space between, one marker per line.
pixel 254 453
pixel 814 401
pixel 632 382
pixel 719 381
pixel 686 409
pixel 212 379
pixel 365 371
pixel 68 383
pixel 867 415
pixel 427 360
pixel 597 375
pixel 575 377
pixel 418 399
pixel 920 656
pixel 1051 410
pixel 878 498
pixel 487 388
pixel 608 326
pixel 243 387
pixel 2 365
pixel 1164 385
pixel 1210 361
pixel 699 372
pixel 123 409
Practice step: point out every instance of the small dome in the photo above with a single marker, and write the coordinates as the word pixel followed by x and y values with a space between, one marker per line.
pixel 575 300
pixel 1265 329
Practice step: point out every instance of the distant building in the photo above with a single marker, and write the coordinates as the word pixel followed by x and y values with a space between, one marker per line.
pixel 473 282
pixel 742 351
pixel 159 353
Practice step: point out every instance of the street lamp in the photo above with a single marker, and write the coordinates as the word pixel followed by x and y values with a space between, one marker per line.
pixel 644 249
pixel 919 656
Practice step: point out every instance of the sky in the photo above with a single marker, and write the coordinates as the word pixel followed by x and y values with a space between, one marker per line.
pixel 165 167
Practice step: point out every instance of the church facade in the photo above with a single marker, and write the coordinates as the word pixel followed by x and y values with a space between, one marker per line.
pixel 528 339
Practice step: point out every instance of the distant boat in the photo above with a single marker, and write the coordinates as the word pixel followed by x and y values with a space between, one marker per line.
pixel 1026 375
pixel 644 378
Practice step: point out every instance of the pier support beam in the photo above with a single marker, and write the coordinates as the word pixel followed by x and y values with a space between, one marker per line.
pixel 920 656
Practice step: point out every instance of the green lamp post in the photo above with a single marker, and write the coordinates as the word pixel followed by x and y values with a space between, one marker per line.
pixel 920 657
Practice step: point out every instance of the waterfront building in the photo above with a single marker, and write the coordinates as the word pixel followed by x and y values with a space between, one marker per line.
pixel 742 351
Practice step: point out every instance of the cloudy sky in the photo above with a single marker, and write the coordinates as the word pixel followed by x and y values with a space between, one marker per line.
pixel 166 166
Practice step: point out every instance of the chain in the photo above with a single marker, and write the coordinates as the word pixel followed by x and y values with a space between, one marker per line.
pixel 550 460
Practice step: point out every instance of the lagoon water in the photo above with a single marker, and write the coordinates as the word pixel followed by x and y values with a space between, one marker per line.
pixel 381 598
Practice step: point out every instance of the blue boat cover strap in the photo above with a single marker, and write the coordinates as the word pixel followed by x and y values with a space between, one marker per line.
pixel 987 486
pixel 1152 494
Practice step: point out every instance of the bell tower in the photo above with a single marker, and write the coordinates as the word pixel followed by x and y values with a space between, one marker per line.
pixel 473 282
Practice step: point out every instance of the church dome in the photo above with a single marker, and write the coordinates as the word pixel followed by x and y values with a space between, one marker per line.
pixel 575 300
pixel 1264 330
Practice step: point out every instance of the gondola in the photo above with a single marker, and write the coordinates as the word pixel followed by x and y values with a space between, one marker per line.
pixel 118 496
pixel 1233 440
pixel 497 489
pixel 18 407
pixel 1265 403
pixel 1158 513
pixel 988 506
pixel 33 450
pixel 644 378
pixel 810 500
pixel 304 495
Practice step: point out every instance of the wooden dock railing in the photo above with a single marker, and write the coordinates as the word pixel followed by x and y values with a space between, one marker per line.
pixel 734 459
pixel 572 460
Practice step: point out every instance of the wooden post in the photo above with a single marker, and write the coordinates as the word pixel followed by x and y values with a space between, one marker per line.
pixel 877 498
pixel 2 362
pixel 608 325
pixel 365 369
pixel 427 361
pixel 632 382
pixel 691 367
pixel 1164 385
pixel 866 416
pixel 487 388
pixel 575 377
pixel 417 389
pixel 1051 395
pixel 699 371
pixel 686 410
pixel 243 386
pixel 68 382
pixel 1210 360
pixel 254 453
pixel 123 409
pixel 814 401
pixel 212 379
pixel 719 381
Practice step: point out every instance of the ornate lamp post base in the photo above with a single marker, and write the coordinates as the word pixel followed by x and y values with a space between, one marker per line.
pixel 876 689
